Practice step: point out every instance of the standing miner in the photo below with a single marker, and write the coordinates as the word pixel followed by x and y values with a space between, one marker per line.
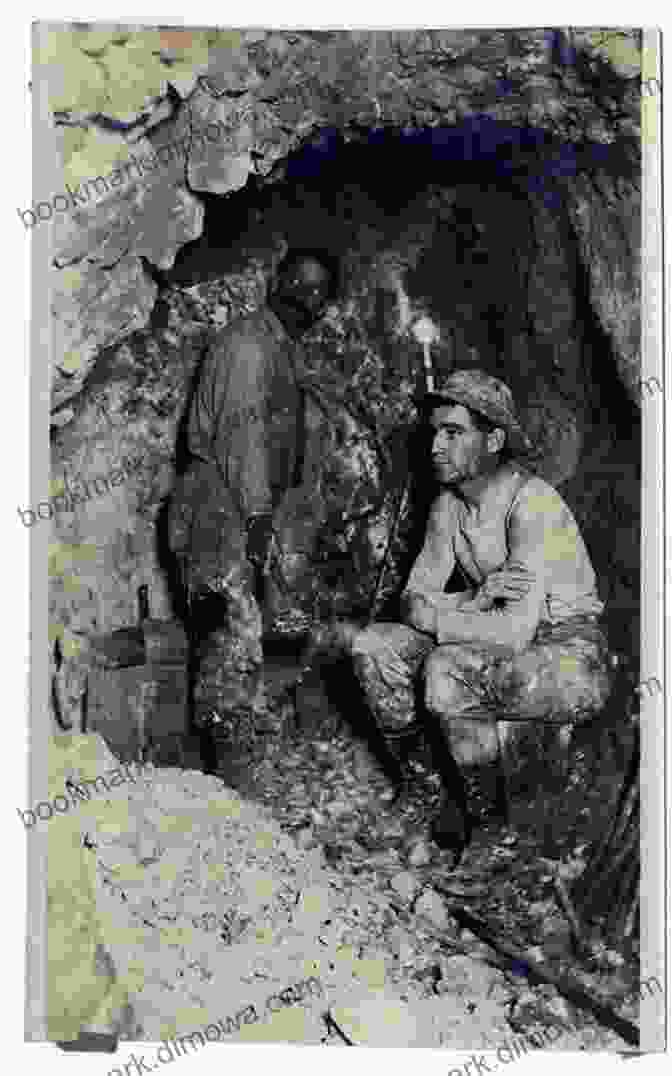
pixel 516 640
pixel 247 433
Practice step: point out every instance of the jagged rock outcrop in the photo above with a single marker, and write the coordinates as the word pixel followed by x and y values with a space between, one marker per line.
pixel 606 214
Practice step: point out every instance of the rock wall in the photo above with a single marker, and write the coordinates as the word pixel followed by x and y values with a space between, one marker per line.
pixel 606 214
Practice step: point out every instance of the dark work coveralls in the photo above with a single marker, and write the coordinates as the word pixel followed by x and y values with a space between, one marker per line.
pixel 247 434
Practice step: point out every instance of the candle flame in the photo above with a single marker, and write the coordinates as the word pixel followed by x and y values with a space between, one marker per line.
pixel 425 331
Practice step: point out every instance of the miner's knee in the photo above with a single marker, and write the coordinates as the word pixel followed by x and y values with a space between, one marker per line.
pixel 385 642
pixel 366 642
pixel 368 655
pixel 439 684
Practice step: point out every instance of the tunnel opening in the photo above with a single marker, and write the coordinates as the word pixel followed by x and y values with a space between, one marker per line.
pixel 341 181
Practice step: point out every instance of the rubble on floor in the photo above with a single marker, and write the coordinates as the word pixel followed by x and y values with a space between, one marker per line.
pixel 302 922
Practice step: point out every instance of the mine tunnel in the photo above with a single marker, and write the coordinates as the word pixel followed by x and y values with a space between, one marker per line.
pixel 476 225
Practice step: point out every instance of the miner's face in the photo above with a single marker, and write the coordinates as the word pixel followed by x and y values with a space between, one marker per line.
pixel 304 288
pixel 460 451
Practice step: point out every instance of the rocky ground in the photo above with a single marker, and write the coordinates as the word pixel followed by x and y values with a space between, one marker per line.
pixel 215 902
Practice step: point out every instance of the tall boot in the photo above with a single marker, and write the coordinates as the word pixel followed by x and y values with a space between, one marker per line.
pixel 488 794
pixel 412 790
pixel 452 827
pixel 398 747
pixel 230 747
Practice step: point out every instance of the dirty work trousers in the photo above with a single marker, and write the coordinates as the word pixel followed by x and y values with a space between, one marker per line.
pixel 207 534
pixel 482 701
pixel 227 658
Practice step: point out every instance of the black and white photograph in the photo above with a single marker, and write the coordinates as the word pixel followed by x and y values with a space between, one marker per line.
pixel 350 392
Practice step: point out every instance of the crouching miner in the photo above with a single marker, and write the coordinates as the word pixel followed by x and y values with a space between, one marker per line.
pixel 501 611
pixel 247 436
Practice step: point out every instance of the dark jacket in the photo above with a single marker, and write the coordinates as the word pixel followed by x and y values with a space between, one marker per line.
pixel 247 415
pixel 249 431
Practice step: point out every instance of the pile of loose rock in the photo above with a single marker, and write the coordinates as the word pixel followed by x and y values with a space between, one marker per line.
pixel 213 915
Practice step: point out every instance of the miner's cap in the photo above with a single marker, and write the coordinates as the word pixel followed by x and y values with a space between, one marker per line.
pixel 484 394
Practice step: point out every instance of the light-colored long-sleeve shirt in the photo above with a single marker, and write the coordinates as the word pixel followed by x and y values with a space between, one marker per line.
pixel 520 520
pixel 247 412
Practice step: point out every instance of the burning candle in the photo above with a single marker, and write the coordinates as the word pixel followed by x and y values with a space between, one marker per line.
pixel 426 333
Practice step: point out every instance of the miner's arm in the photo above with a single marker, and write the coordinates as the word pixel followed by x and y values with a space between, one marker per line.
pixel 537 533
pixel 433 568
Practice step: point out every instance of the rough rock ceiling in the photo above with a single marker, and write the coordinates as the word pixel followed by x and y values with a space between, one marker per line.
pixel 130 106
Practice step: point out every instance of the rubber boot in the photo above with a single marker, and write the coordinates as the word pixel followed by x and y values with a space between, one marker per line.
pixel 488 795
pixel 230 748
pixel 452 828
pixel 410 790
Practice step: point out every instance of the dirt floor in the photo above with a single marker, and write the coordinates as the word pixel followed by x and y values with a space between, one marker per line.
pixel 291 902
pixel 305 870
pixel 332 794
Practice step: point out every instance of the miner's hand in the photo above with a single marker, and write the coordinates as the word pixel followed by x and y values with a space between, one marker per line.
pixel 259 541
pixel 508 584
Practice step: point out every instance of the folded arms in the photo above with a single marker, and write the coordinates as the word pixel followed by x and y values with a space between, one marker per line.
pixel 504 612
